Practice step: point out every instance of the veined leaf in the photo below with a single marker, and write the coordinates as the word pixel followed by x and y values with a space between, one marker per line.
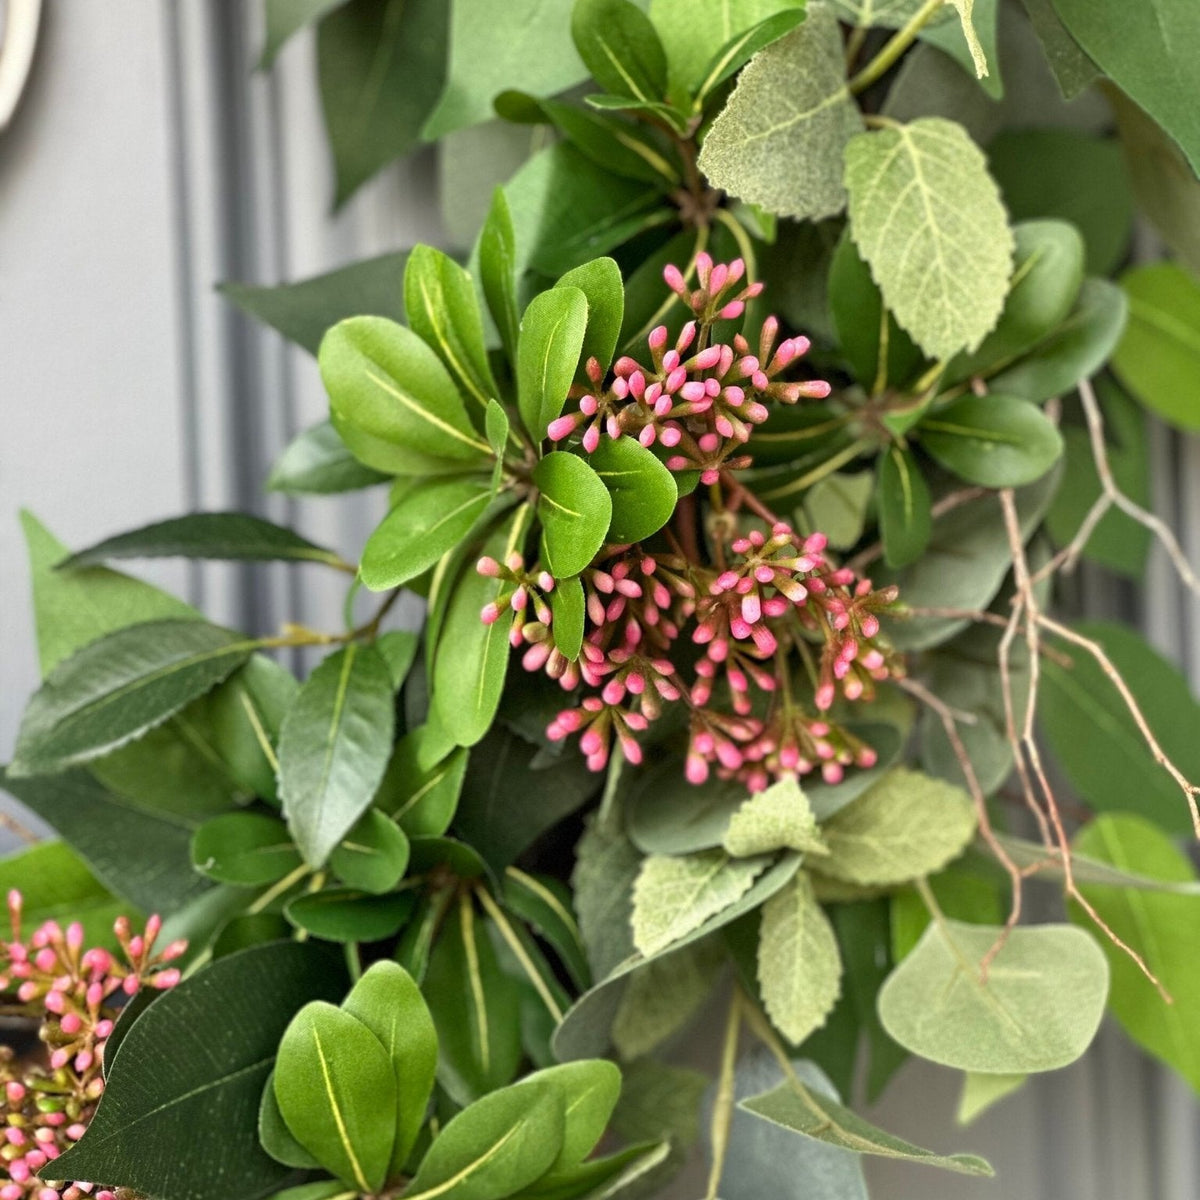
pixel 621 48
pixel 244 848
pixel 372 857
pixel 317 462
pixel 497 271
pixel 602 287
pixel 778 819
pixel 575 509
pixel 567 609
pixel 743 46
pixel 905 511
pixel 548 349
pixel 643 491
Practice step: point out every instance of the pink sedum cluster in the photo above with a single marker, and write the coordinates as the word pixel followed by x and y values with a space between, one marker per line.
pixel 770 611
pixel 75 993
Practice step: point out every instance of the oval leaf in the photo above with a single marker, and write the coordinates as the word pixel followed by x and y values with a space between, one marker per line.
pixel 621 48
pixel 643 491
pixel 575 510
pixel 372 856
pixel 247 849
pixel 905 516
pixel 548 348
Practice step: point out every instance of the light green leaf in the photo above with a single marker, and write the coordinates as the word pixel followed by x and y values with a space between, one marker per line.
pixel 244 848
pixel 337 1094
pixel 494 1147
pixel 744 45
pixel 1158 359
pixel 806 1110
pixel 799 966
pixel 928 219
pixel 523 43
pixel 674 896
pixel 393 402
pixel 778 819
pixel 276 1137
pixel 117 688
pixel 548 349
pixel 620 48
pixel 778 141
pixel 981 1091
pixel 372 857
pixel 567 608
pixel 575 509
pixel 905 509
pixel 643 491
pixel 422 783
pixel 1038 1010
pixel 426 523
pixel 995 440
pixel 906 826
pixel 602 287
pixel 1144 49
pixel 317 462
pixel 1072 68
pixel 390 1005
pixel 606 868
pixel 590 1089
pixel 975 899
pixel 334 747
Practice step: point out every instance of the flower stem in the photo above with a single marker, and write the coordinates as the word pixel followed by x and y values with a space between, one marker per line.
pixel 895 47
pixel 722 1114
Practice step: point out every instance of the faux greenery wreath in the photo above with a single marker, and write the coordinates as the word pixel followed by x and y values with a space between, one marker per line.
pixel 743 468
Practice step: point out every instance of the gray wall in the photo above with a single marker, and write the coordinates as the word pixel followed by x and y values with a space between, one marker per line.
pixel 147 163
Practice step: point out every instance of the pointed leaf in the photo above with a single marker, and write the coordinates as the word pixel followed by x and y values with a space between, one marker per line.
pixel 497 271
pixel 621 48
pixel 905 516
pixel 743 46
pixel 601 284
pixel 981 1091
pixel 421 786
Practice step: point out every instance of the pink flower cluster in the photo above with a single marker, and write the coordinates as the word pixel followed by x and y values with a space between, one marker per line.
pixel 698 399
pixel 757 637
pixel 72 993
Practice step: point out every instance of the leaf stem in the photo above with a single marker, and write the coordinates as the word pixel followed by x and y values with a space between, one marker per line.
pixel 894 48
pixel 722 1114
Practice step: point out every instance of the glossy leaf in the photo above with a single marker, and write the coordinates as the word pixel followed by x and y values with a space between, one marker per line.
pixel 643 491
pixel 179 1113
pixel 334 747
pixel 567 609
pixel 1038 1010
pixel 372 857
pixel 548 348
pixel 602 287
pixel 497 270
pixel 545 904
pixel 119 687
pixel 392 401
pixel 621 48
pixel 421 786
pixel 390 1005
pixel 575 509
pixel 994 440
pixel 350 915
pixel 246 849
pixel 778 141
pixel 337 1094
pixel 914 192
pixel 905 516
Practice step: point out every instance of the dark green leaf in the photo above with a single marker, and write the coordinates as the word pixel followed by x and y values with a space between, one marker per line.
pixel 421 785
pixel 336 1091
pixel 549 344
pixel 474 1006
pixel 372 856
pixel 347 915
pixel 1071 66
pixel 317 462
pixel 905 519
pixel 545 904
pixel 247 849
pixel 600 282
pixel 497 271
pixel 221 535
pixel 304 311
pixel 117 688
pixel 276 1137
pixel 960 894
pixel 642 489
pixel 621 48
pixel 430 520
pixel 393 402
pixel 994 440
pixel 610 142
pixel 575 509
pixel 179 1112
pixel 334 747
pixel 380 64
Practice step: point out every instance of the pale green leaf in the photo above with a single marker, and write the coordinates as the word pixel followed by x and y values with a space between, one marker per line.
pixel 779 818
pixel 606 867
pixel 981 1091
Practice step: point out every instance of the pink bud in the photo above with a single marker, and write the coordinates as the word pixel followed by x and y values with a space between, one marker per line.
pixel 167 979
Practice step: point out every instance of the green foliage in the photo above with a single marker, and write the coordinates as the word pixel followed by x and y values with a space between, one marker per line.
pixel 905 508
pixel 575 509
pixel 548 348
pixel 778 819
pixel 642 490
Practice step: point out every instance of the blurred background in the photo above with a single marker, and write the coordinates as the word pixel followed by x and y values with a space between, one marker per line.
pixel 149 161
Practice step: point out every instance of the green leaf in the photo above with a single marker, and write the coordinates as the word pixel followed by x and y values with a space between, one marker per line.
pixel 427 522
pixel 276 1138
pixel 799 967
pixel 180 1105
pixel 1038 172
pixel 545 904
pixel 1144 50
pixel 390 1005
pixel 961 895
pixel 643 491
pixel 778 141
pixel 567 609
pixel 349 915
pixel 928 219
pixel 393 402
pixel 906 826
pixel 244 848
pixel 905 516
pixel 606 868
pixel 744 45
pixel 1076 350
pixel 629 1171
pixel 1072 68
pixel 219 535
pixel 495 1147
pixel 497 271
pixel 1095 739
pixel 1158 358
pixel 334 747
pixel 421 786
pixel 1045 285
pixel 474 1006
pixel 380 66
pixel 575 509
pixel 317 462
pixel 305 310
pixel 373 856
pixel 523 44
pixel 778 819
pixel 664 996
pixel 442 308
pixel 287 17
pixel 837 506
pixel 995 440
pixel 621 48
pixel 117 688
pixel 137 853
pixel 674 896
pixel 590 1089
pixel 471 657
pixel 981 1091
pixel 548 348
pixel 602 287
pixel 806 1110
pixel 337 1093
